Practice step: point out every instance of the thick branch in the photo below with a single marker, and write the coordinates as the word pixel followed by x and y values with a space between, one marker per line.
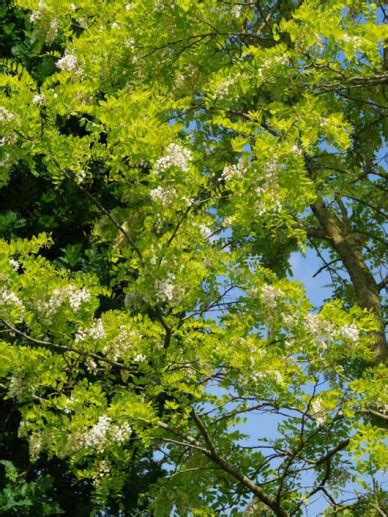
pixel 265 498
pixel 364 283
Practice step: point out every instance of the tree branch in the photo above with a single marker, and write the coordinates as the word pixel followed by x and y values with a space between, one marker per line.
pixel 65 348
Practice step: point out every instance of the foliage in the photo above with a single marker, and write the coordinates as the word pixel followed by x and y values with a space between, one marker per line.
pixel 21 498
pixel 161 162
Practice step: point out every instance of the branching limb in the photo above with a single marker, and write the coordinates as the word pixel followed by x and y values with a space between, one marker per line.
pixel 65 348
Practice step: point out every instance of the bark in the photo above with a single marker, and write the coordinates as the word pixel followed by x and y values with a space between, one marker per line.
pixel 348 249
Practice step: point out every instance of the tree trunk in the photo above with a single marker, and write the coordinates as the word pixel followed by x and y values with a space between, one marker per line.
pixel 364 283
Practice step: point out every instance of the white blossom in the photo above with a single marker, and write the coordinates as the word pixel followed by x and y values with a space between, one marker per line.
pixel 205 231
pixel 165 290
pixel 5 115
pixel 351 39
pixel 269 193
pixel 321 330
pixel 10 298
pixel 68 63
pixel 296 150
pixel 72 7
pixel 77 297
pixel 237 11
pixel 104 432
pixel 95 332
pixel 16 386
pixel 289 320
pixel 129 43
pixel 274 60
pixel 104 468
pixel 228 220
pixel 313 324
pixel 234 171
pixel 53 30
pixel 68 406
pixel 222 89
pixel 91 365
pixel 70 294
pixel 35 446
pixel 163 195
pixel 15 264
pixel 268 374
pixel 319 413
pixel 38 99
pixel 8 139
pixel 96 437
pixel 139 358
pixel 269 296
pixel 350 332
pixel 177 156
pixel 122 343
pixel 272 203
pixel 37 15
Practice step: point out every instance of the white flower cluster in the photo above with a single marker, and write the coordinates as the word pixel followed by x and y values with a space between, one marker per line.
pixel 350 332
pixel 130 42
pixel 234 171
pixel 313 324
pixel 289 320
pixel 5 115
pixel 102 434
pixel 35 446
pixel 68 63
pixel 16 387
pixel 222 89
pixel 269 192
pixel 269 296
pixel 52 30
pixel 319 413
pixel 270 200
pixel 38 99
pixel 75 296
pixel 103 471
pixel 15 264
pixel 237 11
pixel 163 195
pixel 122 343
pixel 272 62
pixel 167 290
pixel 324 330
pixel 177 156
pixel 95 332
pixel 8 139
pixel 139 358
pixel 295 149
pixel 37 15
pixel 269 374
pixel 356 40
pixel 91 365
pixel 70 294
pixel 10 298
pixel 69 404
pixel 205 231
pixel 320 329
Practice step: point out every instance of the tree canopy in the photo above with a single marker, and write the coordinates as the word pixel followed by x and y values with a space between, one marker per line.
pixel 161 161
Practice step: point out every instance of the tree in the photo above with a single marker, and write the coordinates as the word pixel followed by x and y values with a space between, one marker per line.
pixel 187 149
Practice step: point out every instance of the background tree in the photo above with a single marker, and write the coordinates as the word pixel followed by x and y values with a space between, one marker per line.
pixel 178 153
